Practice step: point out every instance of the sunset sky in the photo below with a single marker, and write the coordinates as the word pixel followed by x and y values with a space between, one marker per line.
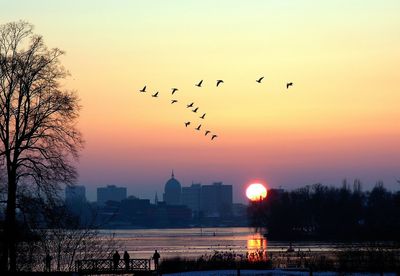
pixel 341 118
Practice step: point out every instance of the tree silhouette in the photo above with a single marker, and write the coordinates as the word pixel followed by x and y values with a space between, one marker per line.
pixel 319 212
pixel 38 137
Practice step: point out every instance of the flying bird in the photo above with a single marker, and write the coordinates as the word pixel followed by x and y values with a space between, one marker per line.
pixel 219 82
pixel 199 84
pixel 174 90
pixel 155 95
pixel 190 105
pixel 289 84
pixel 195 110
pixel 198 128
pixel 259 80
pixel 187 123
pixel 143 89
pixel 214 136
pixel 207 132
pixel 174 101
pixel 202 117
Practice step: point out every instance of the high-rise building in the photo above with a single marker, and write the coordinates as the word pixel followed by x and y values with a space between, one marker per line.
pixel 190 197
pixel 216 200
pixel 172 191
pixel 75 193
pixel 135 210
pixel 75 201
pixel 110 193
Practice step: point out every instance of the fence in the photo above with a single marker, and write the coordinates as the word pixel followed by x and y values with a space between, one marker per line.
pixel 99 266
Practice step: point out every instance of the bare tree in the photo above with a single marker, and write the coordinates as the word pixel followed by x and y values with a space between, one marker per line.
pixel 39 141
pixel 55 231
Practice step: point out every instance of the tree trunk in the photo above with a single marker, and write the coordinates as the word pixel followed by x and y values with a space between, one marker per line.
pixel 4 257
pixel 10 228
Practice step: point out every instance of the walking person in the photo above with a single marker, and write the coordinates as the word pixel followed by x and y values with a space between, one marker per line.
pixel 116 259
pixel 156 257
pixel 126 259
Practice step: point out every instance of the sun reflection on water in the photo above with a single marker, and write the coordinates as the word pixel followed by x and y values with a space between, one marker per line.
pixel 256 248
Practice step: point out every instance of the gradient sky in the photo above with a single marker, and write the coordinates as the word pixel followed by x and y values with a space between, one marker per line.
pixel 341 119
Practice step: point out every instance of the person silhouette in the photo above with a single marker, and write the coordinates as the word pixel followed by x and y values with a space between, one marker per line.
pixel 116 259
pixel 156 257
pixel 126 259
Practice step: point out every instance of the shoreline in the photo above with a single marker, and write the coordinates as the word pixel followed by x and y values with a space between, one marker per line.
pixel 275 272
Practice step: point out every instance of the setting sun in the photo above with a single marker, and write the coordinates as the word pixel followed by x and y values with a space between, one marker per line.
pixel 256 191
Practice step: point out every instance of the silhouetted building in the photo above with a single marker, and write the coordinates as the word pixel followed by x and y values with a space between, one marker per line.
pixel 178 215
pixel 75 193
pixel 191 197
pixel 108 214
pixel 75 201
pixel 110 193
pixel 165 215
pixel 172 191
pixel 239 210
pixel 135 210
pixel 216 200
pixel 156 199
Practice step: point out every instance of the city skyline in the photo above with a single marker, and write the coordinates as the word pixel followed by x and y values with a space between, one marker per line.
pixel 197 204
pixel 238 197
pixel 93 195
pixel 339 119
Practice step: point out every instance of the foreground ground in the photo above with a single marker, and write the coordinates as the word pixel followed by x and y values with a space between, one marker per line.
pixel 272 273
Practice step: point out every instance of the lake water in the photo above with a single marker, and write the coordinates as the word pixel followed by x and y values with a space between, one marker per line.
pixel 195 242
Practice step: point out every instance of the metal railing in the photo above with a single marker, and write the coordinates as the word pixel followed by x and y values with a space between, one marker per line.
pixel 98 266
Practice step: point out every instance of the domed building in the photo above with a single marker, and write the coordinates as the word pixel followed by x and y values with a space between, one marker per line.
pixel 172 191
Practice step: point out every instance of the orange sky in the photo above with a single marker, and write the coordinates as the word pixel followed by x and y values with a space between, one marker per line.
pixel 341 119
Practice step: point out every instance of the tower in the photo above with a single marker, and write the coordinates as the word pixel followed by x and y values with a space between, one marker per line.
pixel 172 191
pixel 156 199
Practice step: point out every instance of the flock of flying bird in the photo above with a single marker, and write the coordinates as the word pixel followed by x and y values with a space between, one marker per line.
pixel 191 105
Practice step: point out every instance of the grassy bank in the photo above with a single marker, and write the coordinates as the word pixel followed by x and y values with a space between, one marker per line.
pixel 348 260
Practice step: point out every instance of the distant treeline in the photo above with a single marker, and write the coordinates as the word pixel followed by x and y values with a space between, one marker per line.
pixel 320 212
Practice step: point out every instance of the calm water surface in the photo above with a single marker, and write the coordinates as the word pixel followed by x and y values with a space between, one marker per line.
pixel 195 242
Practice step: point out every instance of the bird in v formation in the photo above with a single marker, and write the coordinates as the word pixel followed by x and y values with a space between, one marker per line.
pixel 189 105
pixel 155 95
pixel 199 84
pixel 205 133
pixel 218 83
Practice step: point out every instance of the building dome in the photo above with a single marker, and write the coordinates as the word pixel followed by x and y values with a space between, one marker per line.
pixel 172 191
pixel 172 184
